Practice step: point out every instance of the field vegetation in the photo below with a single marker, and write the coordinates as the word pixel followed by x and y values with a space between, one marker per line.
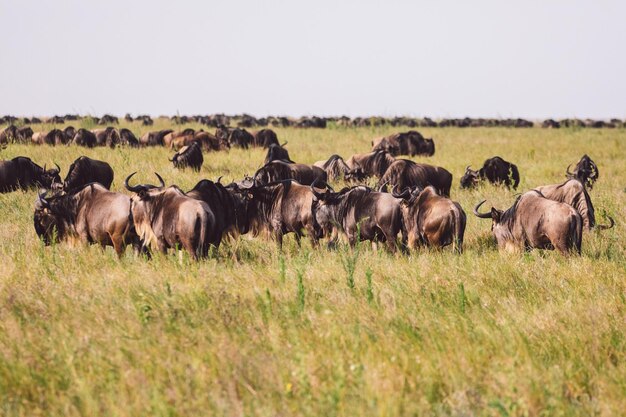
pixel 256 331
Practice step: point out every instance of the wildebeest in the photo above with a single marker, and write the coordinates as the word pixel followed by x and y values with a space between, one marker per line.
pixel 372 164
pixel 536 222
pixel 188 156
pixel 207 141
pixel 128 138
pixel 360 213
pixel 91 214
pixel 84 137
pixel 169 138
pixel 573 193
pixel 586 171
pixel 107 137
pixel 53 137
pixel 277 152
pixel 236 137
pixel 22 173
pixel 85 170
pixel 165 218
pixel 279 170
pixel 8 134
pixel 405 143
pixel 336 168
pixel 154 138
pixel 408 174
pixel 430 219
pixel 24 134
pixel 265 138
pixel 282 207
pixel 69 132
pixel 108 119
pixel 229 207
pixel 496 170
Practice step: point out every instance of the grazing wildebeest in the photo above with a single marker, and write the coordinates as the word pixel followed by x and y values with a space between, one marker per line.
pixel 430 219
pixel 336 169
pixel 496 170
pixel 277 152
pixel 536 222
pixel 107 137
pixel 22 173
pixel 108 119
pixel 154 138
pixel 405 143
pixel 85 138
pixel 586 171
pixel 279 170
pixel 236 137
pixel 165 218
pixel 53 137
pixel 282 207
pixel 228 206
pixel 85 170
pixel 91 214
pixel 128 138
pixel 360 213
pixel 69 132
pixel 265 138
pixel 188 156
pixel 573 193
pixel 207 141
pixel 372 164
pixel 408 174
pixel 24 134
pixel 9 134
pixel 169 138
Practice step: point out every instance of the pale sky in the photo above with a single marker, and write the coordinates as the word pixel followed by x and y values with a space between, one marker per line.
pixel 534 59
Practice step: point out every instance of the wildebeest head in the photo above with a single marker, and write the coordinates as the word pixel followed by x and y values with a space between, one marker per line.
pixel 500 224
pixel 586 171
pixel 144 191
pixel 50 176
pixel 277 153
pixel 470 178
pixel 51 219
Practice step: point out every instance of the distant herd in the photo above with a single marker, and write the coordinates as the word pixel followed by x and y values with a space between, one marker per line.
pixel 409 207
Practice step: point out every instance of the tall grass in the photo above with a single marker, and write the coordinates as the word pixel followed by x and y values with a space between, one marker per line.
pixel 256 331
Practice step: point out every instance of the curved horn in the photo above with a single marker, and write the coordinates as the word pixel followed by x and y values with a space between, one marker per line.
pixel 383 187
pixel 42 200
pixel 317 195
pixel 284 144
pixel 58 167
pixel 568 171
pixel 404 194
pixel 604 226
pixel 481 215
pixel 219 179
pixel 160 179
pixel 467 168
pixel 134 189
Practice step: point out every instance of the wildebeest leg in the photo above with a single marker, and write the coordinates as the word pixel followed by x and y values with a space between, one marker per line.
pixel 278 235
pixel 118 244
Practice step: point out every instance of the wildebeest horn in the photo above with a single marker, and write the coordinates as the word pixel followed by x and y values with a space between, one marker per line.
pixel 383 187
pixel 58 167
pixel 42 200
pixel 284 144
pixel 404 193
pixel 134 189
pixel 315 193
pixel 481 215
pixel 467 168
pixel 160 179
pixel 219 179
pixel 604 226
pixel 568 171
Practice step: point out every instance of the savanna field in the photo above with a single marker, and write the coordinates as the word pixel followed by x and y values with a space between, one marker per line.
pixel 321 332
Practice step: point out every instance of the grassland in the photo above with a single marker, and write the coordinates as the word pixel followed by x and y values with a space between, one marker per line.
pixel 322 332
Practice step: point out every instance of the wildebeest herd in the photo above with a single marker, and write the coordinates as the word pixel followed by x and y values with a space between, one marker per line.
pixel 409 207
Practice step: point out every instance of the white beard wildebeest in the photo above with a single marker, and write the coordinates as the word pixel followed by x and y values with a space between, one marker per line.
pixel 536 222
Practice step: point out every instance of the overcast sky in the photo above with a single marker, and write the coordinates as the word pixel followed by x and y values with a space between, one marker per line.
pixel 417 58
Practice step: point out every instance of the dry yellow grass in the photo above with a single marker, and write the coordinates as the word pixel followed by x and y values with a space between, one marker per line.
pixel 256 332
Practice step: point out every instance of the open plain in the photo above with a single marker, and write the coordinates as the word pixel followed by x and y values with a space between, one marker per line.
pixel 321 332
